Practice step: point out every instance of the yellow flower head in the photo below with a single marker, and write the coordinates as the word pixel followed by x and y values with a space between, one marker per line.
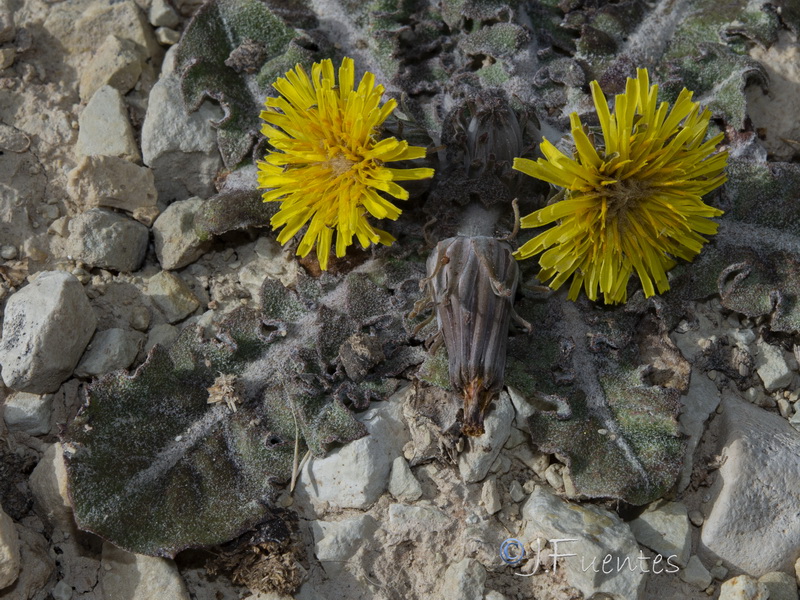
pixel 328 166
pixel 632 205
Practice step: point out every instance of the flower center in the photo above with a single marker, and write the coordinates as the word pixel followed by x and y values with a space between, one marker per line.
pixel 340 165
pixel 623 196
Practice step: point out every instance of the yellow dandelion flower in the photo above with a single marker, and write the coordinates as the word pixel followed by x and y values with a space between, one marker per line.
pixel 633 205
pixel 328 166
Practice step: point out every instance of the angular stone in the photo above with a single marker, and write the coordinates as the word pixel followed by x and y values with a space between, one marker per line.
pixel 46 327
pixel 167 36
pixel 490 496
pixel 36 567
pixel 126 575
pixel 355 475
pixel 104 128
pixel 180 147
pixel 757 489
pixel 9 551
pixel 29 413
pixel 743 587
pixel 49 487
pixel 664 528
pixel 781 586
pixel 696 573
pixel 117 63
pixel 161 14
pixel 114 183
pixel 464 580
pixel 595 534
pixel 106 239
pixel 402 483
pixel 172 296
pixel 174 235
pixel 474 463
pixel 771 367
pixel 337 541
pixel 700 401
pixel 110 350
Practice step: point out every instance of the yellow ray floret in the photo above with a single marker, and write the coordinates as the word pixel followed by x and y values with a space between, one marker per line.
pixel 328 168
pixel 632 205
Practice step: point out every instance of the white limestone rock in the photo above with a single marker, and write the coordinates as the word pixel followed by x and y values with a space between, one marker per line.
pixel 180 147
pixel 172 296
pixel 664 528
pixel 110 350
pixel 49 487
pixel 757 488
pixel 402 483
pixel 117 63
pixel 743 587
pixel 597 534
pixel 139 577
pixel 113 182
pixel 355 475
pixel 464 580
pixel 29 413
pixel 108 240
pixel 47 324
pixel 476 460
pixel 104 127
pixel 176 241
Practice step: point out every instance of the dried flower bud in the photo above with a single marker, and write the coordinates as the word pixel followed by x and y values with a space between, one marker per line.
pixel 472 281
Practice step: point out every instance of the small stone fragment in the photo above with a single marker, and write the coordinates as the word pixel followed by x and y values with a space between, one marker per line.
pixel 664 528
pixel 113 183
pixel 161 14
pixel 771 367
pixel 695 573
pixel 9 551
pixel 117 63
pixel 553 476
pixel 140 318
pixel 718 572
pixel 49 486
pixel 402 483
pixel 172 296
pixel 109 240
pixel 8 252
pixel 698 404
pixel 595 534
pixel 46 327
pixel 490 496
pixel 516 491
pixel 167 36
pixel 180 147
pixel 696 517
pixel 464 580
pixel 337 541
pixel 476 460
pixel 29 413
pixel 781 586
pixel 355 475
pixel 126 575
pixel 754 441
pixel 104 128
pixel 743 587
pixel 110 350
pixel 163 334
pixel 176 241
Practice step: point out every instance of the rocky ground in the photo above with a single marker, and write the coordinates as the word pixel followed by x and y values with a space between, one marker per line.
pixel 96 268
